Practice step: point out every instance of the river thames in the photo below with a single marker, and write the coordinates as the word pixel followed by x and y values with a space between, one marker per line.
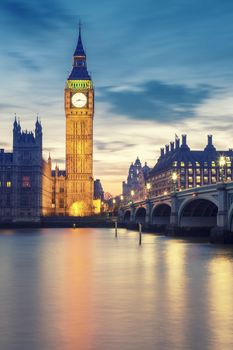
pixel 66 289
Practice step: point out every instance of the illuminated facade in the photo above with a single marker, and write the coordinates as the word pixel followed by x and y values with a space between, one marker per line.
pixel 193 168
pixel 73 188
pixel 79 110
pixel 135 186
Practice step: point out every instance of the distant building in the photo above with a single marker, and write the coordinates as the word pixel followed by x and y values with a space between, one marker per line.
pixel 193 168
pixel 98 190
pixel 25 178
pixel 134 187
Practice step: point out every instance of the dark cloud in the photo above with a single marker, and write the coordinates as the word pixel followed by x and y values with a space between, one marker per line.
pixel 156 100
pixel 33 15
pixel 9 106
pixel 113 146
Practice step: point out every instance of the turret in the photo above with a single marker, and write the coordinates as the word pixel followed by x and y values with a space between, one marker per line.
pixel 137 163
pixel 177 142
pixel 38 132
pixel 172 146
pixel 210 146
pixel 50 161
pixel 162 152
pixel 16 131
pixel 184 142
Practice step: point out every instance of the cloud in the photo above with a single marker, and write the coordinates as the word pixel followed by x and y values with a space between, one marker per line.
pixel 157 100
pixel 113 146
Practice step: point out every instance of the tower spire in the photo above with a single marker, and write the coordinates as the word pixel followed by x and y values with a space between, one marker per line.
pixel 79 51
pixel 79 70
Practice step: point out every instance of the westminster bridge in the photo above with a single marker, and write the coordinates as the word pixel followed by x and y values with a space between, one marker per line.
pixel 202 209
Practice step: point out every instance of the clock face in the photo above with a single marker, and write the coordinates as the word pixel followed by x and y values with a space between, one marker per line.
pixel 79 100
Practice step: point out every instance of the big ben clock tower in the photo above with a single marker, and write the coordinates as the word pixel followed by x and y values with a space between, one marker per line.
pixel 79 109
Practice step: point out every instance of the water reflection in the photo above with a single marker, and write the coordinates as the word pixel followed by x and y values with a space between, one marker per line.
pixel 221 300
pixel 83 289
pixel 175 290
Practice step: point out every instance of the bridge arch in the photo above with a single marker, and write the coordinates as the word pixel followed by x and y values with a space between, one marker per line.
pixel 127 215
pixel 140 215
pixel 198 212
pixel 160 214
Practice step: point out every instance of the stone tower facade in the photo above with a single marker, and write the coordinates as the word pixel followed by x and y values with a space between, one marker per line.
pixel 79 110
pixel 25 178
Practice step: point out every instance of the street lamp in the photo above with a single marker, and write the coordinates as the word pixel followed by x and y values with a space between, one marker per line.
pixel 148 187
pixel 174 181
pixel 222 164
pixel 132 193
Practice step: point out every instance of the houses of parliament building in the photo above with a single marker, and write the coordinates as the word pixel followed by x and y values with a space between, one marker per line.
pixel 29 188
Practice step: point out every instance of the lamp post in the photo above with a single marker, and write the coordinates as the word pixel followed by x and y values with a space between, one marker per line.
pixel 222 164
pixel 113 205
pixel 174 181
pixel 148 187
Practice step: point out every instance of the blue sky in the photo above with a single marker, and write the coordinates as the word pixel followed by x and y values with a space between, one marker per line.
pixel 159 68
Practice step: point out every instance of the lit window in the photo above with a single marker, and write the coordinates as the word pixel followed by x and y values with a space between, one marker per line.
pixel 190 179
pixel 213 179
pixel 213 164
pixel 198 179
pixel 206 179
pixel 190 171
pixel 206 171
pixel 197 164
pixel 181 163
pixel 8 184
pixel 26 182
pixel 198 171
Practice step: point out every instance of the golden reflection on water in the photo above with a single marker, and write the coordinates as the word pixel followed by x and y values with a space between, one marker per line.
pixel 66 284
pixel 175 290
pixel 221 301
